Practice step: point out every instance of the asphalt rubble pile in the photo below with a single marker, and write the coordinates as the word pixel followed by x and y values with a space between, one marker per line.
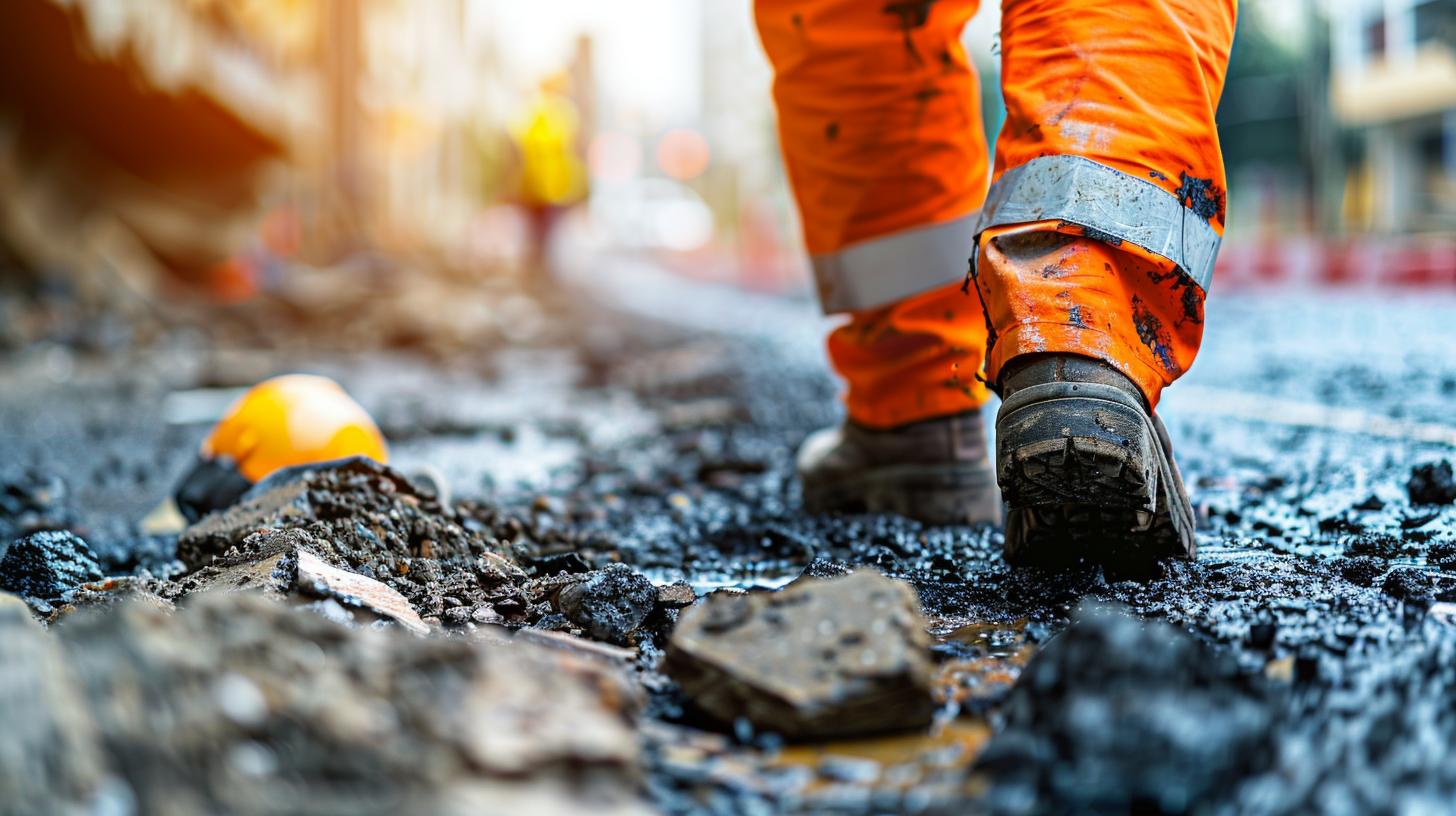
pixel 1319 619
pixel 278 673
pixel 343 640
pixel 369 520
pixel 365 537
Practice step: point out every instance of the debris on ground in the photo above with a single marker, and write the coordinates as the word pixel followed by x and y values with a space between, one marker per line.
pixel 1411 586
pixel 1117 715
pixel 1377 755
pixel 50 757
pixel 1327 591
pixel 313 576
pixel 368 519
pixel 1442 553
pixel 1363 570
pixel 819 658
pixel 282 564
pixel 609 604
pixel 237 704
pixel 676 595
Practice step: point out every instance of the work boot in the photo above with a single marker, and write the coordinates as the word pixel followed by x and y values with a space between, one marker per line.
pixel 1086 469
pixel 936 471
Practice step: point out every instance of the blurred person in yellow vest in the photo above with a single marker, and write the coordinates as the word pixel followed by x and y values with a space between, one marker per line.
pixel 552 173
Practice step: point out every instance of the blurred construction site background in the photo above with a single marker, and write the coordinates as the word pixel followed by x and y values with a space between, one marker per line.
pixel 422 161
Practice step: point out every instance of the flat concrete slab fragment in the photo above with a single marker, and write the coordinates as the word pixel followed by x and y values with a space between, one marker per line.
pixel 819 658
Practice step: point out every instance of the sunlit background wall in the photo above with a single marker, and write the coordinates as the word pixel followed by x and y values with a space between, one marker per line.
pixel 225 146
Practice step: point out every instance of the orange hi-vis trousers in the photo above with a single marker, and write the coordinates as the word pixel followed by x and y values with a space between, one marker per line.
pixel 1096 236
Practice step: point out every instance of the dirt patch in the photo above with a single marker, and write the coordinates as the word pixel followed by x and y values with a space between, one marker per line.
pixel 368 519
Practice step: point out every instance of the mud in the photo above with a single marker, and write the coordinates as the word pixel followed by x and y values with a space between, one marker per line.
pixel 1151 332
pixel 1317 611
pixel 1093 233
pixel 1201 196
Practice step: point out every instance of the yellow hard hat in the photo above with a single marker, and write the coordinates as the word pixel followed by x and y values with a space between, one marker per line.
pixel 296 419
pixel 291 420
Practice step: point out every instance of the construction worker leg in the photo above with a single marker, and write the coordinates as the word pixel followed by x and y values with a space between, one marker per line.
pixel 1105 214
pixel 879 120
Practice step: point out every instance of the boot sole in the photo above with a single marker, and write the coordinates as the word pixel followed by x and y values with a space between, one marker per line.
pixel 933 494
pixel 1088 477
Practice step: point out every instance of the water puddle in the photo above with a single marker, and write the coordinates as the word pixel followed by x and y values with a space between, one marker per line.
pixel 761 576
pixel 895 764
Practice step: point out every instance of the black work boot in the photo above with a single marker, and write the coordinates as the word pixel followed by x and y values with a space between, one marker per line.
pixel 936 471
pixel 1086 469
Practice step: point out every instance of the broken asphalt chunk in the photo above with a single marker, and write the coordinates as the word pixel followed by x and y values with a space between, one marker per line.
pixel 367 513
pixel 608 604
pixel 47 565
pixel 1119 715
pixel 820 658
pixel 1432 483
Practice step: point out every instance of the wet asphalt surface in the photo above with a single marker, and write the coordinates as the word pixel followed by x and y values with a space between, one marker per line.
pixel 1306 662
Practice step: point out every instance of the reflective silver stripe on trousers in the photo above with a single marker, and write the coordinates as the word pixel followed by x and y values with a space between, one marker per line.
pixel 893 267
pixel 1092 195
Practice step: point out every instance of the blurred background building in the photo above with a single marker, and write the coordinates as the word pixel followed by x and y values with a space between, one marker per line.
pixel 1394 88
pixel 224 150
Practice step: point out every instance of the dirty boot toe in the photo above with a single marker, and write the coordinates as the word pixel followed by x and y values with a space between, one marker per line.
pixel 1086 470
